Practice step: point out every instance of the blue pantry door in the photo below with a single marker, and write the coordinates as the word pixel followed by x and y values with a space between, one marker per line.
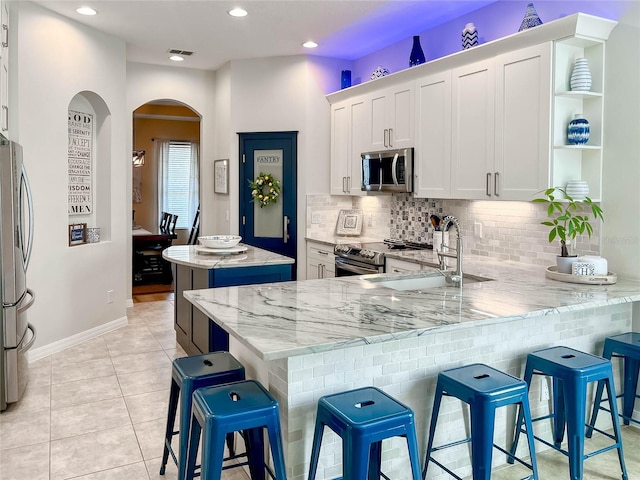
pixel 272 227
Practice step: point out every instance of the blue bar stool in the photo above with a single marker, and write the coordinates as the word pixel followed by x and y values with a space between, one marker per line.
pixel 571 371
pixel 627 347
pixel 363 418
pixel 238 406
pixel 187 375
pixel 485 389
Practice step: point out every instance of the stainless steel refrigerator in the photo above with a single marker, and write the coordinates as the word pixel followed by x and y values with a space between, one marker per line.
pixel 16 240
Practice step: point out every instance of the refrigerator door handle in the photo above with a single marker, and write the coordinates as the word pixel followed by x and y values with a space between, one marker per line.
pixel 25 182
pixel 27 345
pixel 27 305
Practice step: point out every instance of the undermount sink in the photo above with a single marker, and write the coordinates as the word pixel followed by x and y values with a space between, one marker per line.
pixel 419 281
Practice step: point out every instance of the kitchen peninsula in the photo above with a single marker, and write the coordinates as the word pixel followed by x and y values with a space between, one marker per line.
pixel 195 267
pixel 312 338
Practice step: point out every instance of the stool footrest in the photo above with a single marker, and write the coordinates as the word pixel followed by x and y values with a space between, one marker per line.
pixel 431 459
pixel 621 415
pixel 452 444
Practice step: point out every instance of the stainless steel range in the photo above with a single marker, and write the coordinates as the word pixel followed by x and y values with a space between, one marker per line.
pixel 368 258
pixel 359 259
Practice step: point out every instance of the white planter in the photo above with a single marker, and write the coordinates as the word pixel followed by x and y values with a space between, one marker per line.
pixel 564 263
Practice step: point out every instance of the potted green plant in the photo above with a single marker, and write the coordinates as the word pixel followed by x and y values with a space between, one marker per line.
pixel 568 219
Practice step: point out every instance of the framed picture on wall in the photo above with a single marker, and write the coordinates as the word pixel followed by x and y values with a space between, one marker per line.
pixel 77 234
pixel 221 176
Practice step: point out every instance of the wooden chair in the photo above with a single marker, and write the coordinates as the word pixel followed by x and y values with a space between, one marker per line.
pixel 164 221
pixel 171 224
pixel 195 229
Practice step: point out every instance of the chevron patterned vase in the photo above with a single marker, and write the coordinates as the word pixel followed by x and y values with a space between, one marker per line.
pixel 469 36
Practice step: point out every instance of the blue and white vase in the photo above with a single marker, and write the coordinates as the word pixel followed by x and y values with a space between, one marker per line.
pixel 469 36
pixel 578 130
pixel 417 55
pixel 531 18
pixel 581 76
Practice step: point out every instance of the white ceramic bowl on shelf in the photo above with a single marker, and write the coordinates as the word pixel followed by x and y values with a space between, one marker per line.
pixel 220 241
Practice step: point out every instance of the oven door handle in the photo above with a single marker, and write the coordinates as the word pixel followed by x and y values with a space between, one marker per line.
pixel 353 268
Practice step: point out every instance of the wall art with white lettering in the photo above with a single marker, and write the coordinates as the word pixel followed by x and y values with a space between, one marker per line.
pixel 80 158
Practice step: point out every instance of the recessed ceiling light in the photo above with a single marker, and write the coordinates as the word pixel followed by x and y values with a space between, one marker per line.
pixel 238 12
pixel 310 44
pixel 176 58
pixel 87 11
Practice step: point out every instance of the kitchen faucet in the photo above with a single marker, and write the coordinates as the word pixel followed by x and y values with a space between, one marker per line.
pixel 446 252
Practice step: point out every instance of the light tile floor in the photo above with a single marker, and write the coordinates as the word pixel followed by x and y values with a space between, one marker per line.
pixel 97 411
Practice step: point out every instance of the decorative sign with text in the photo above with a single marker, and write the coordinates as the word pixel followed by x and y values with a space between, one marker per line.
pixel 80 163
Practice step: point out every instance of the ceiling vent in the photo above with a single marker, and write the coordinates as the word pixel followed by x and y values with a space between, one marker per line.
pixel 176 51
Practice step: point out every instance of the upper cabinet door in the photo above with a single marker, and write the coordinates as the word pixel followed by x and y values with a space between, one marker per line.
pixel 340 147
pixel 391 122
pixel 400 117
pixel 472 150
pixel 432 160
pixel 523 103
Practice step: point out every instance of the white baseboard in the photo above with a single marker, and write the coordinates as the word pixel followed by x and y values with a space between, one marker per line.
pixel 60 345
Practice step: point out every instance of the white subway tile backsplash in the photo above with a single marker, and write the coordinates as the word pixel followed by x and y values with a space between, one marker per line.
pixel 511 230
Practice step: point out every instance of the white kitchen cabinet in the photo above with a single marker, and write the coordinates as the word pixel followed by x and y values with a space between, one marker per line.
pixel 501 125
pixel 4 69
pixel 348 140
pixel 522 123
pixel 320 261
pixel 391 120
pixel 472 118
pixel 395 265
pixel 490 122
pixel 578 162
pixel 433 136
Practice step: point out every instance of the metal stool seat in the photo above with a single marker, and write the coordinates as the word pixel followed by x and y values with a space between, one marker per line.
pixel 239 406
pixel 187 375
pixel 571 371
pixel 485 389
pixel 363 418
pixel 627 347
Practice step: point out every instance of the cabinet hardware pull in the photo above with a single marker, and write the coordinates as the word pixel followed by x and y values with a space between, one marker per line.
pixel 488 182
pixel 5 30
pixel 384 137
pixel 285 233
pixel 5 118
pixel 348 185
pixel 321 252
pixel 391 137
pixel 319 271
pixel 344 184
pixel 495 184
pixel 323 267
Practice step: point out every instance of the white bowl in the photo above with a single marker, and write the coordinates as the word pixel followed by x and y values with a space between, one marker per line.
pixel 220 241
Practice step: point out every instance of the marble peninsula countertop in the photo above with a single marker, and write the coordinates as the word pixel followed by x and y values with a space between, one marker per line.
pixel 197 257
pixel 279 320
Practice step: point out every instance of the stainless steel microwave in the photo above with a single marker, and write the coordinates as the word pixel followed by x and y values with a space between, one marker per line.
pixel 387 171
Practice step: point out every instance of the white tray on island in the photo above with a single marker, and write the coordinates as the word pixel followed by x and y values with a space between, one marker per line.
pixel 608 279
pixel 221 251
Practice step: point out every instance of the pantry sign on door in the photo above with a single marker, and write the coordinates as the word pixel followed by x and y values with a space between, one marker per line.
pixel 80 163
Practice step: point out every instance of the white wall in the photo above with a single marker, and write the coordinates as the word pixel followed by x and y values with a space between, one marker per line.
pixel 270 95
pixel 70 283
pixel 195 89
pixel 621 197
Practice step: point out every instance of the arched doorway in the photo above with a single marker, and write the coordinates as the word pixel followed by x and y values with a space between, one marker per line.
pixel 165 178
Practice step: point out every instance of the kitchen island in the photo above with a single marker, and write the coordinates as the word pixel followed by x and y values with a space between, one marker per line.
pixel 312 338
pixel 194 266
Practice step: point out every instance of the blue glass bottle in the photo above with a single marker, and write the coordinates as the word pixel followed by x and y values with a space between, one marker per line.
pixel 417 55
